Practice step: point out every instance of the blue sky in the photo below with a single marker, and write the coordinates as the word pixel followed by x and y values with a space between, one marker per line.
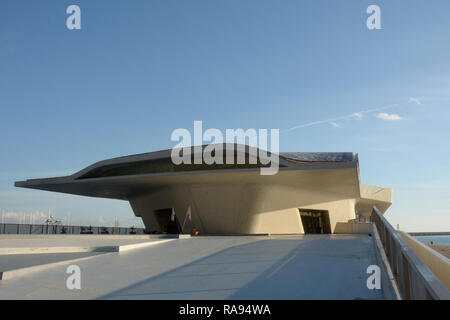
pixel 137 70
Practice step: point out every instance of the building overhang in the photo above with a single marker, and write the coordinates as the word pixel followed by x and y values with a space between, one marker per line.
pixel 336 173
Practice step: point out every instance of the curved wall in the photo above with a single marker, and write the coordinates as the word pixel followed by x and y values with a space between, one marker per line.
pixel 241 208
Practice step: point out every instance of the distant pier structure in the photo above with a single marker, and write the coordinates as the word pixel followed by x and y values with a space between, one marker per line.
pixel 445 233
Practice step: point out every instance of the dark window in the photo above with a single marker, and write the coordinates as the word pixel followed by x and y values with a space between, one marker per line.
pixel 162 166
pixel 315 221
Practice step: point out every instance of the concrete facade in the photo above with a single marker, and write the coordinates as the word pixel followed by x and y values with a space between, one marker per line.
pixel 234 200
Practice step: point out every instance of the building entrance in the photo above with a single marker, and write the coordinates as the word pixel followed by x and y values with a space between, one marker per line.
pixel 164 219
pixel 315 221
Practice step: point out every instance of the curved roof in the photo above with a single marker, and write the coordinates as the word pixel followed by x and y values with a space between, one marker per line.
pixel 159 164
pixel 319 156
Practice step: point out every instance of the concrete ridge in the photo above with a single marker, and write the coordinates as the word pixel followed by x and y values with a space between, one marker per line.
pixel 141 245
pixel 39 250
pixel 14 273
pixel 74 249
pixel 79 236
pixel 95 236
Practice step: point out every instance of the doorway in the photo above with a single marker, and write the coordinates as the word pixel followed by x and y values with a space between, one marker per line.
pixel 164 219
pixel 315 221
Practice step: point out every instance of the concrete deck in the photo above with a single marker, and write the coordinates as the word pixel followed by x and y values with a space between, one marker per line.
pixel 277 267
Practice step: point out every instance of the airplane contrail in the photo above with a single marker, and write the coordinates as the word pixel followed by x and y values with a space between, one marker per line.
pixel 357 115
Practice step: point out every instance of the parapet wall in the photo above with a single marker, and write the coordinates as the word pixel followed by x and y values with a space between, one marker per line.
pixel 437 263
pixel 353 228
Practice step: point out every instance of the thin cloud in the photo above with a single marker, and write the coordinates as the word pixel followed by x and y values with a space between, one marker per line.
pixel 358 115
pixel 355 115
pixel 334 124
pixel 389 117
pixel 415 100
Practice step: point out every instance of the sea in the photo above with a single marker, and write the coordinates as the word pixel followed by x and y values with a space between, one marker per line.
pixel 437 239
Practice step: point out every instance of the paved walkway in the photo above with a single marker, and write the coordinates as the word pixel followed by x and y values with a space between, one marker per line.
pixel 297 267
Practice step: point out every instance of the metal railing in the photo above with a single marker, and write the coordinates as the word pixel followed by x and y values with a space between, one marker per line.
pixel 15 228
pixel 414 279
